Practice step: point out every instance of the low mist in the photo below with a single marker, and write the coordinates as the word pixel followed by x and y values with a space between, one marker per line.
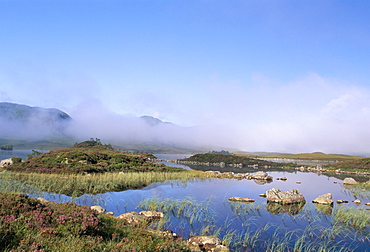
pixel 93 121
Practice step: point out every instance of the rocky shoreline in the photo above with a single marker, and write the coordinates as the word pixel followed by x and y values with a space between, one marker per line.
pixel 319 169
pixel 316 169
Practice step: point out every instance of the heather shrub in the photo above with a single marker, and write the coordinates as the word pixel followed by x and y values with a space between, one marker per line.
pixel 80 160
pixel 16 160
pixel 28 225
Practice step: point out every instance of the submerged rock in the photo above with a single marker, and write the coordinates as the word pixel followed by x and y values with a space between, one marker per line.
pixel 326 199
pixel 238 199
pixel 349 181
pixel 288 197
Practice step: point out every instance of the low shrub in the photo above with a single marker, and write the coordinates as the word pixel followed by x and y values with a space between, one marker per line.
pixel 26 224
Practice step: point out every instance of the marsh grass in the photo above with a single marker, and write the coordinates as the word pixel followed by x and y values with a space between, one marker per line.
pixel 352 217
pixel 361 190
pixel 343 230
pixel 198 218
pixel 76 185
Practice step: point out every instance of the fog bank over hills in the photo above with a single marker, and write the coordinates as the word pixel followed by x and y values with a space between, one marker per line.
pixel 26 123
pixel 93 120
pixel 30 127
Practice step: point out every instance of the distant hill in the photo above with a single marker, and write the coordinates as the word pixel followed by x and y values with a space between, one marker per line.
pixel 27 127
pixel 322 156
pixel 22 113
pixel 307 156
pixel 152 121
pixel 22 122
pixel 234 159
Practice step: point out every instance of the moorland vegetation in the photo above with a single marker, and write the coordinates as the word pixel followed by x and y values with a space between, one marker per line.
pixel 29 224
pixel 353 164
pixel 88 157
pixel 234 159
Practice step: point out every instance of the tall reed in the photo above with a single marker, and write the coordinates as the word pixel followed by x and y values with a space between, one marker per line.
pixel 76 185
pixel 320 232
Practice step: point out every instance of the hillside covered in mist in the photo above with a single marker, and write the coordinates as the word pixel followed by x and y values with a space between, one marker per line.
pixel 22 122
pixel 31 127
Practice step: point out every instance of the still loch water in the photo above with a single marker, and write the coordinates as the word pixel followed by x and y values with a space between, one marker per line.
pixel 201 206
pixel 207 209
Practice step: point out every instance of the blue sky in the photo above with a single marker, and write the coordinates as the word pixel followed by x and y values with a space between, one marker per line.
pixel 260 75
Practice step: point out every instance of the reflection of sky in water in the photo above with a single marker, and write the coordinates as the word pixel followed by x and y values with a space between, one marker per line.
pixel 218 191
pixel 312 185
pixel 5 154
pixel 172 157
pixel 234 215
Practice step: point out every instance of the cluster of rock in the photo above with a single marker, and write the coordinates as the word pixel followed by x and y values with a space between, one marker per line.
pixel 319 169
pixel 260 175
pixel 294 196
pixel 195 243
pixel 218 164
pixel 207 243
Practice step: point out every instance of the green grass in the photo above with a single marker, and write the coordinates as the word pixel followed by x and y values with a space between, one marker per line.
pixel 360 165
pixel 308 156
pixel 322 156
pixel 234 159
pixel 76 184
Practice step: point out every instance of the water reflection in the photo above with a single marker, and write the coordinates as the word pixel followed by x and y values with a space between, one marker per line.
pixel 326 209
pixel 210 202
pixel 277 208
pixel 261 181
